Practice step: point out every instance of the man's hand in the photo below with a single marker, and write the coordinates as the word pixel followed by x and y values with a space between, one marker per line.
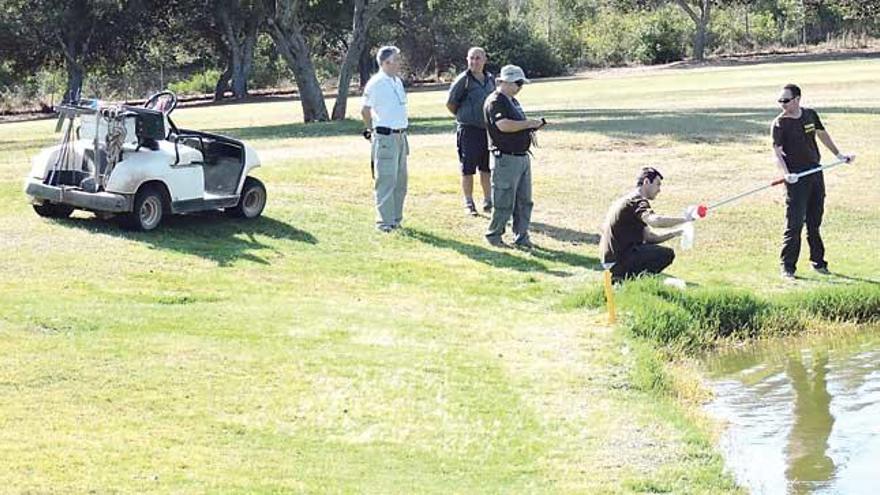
pixel 846 158
pixel 367 134
pixel 790 178
pixel 537 124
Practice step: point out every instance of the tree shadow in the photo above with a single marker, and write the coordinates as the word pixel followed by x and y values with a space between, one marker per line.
pixel 491 257
pixel 347 127
pixel 564 234
pixel 699 125
pixel 209 235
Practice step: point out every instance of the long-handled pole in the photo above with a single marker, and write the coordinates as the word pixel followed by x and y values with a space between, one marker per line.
pixel 702 210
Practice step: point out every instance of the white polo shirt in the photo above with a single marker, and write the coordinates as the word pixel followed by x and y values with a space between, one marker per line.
pixel 387 101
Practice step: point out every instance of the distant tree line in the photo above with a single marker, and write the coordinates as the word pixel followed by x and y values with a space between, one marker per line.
pixel 53 50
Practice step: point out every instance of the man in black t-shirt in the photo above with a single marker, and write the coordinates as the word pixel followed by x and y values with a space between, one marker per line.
pixel 510 136
pixel 628 245
pixel 794 142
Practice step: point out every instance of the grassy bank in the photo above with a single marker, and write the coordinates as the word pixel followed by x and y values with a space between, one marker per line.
pixel 699 318
pixel 306 352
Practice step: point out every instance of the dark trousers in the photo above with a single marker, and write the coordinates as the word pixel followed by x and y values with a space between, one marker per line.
pixel 642 259
pixel 804 204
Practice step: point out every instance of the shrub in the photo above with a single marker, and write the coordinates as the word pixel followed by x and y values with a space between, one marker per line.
pixel 514 43
pixel 662 37
pixel 197 84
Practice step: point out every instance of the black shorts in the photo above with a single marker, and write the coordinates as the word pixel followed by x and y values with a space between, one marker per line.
pixel 473 149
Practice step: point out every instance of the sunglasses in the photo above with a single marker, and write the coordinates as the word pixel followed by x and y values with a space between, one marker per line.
pixel 519 83
pixel 784 100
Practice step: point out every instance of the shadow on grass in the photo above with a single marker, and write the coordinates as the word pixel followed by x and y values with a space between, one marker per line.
pixel 209 235
pixel 564 234
pixel 712 125
pixel 855 279
pixel 347 127
pixel 491 257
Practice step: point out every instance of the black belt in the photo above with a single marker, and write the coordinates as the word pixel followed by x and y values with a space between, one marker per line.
pixel 499 153
pixel 385 131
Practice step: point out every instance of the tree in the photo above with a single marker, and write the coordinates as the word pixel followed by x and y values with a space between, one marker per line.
pixel 699 12
pixel 286 27
pixel 237 23
pixel 76 33
pixel 364 14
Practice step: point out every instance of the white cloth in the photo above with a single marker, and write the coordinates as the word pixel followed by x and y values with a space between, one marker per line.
pixel 387 101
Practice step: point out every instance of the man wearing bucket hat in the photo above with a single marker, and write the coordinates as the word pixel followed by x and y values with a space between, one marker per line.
pixel 510 136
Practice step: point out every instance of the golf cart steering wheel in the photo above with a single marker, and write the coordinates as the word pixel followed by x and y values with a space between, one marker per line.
pixel 165 102
pixel 166 106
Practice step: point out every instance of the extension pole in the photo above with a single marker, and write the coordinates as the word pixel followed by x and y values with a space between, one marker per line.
pixel 702 210
pixel 609 298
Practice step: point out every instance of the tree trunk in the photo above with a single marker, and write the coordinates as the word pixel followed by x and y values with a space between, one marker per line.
pixel 240 36
pixel 242 62
pixel 292 46
pixel 701 20
pixel 75 76
pixel 357 40
pixel 222 84
pixel 365 67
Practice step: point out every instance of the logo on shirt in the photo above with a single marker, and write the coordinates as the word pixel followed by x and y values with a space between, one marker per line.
pixel 810 127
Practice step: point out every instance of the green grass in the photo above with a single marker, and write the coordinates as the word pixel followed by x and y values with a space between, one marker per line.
pixel 305 352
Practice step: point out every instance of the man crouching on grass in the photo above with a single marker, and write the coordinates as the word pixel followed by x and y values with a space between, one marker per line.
pixel 627 239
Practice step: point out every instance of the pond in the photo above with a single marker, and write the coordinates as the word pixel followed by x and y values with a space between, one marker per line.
pixel 801 416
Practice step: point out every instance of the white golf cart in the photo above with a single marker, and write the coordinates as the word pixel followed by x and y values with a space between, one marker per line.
pixel 134 163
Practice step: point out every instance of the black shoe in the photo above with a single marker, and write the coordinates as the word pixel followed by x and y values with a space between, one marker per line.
pixel 823 270
pixel 496 242
pixel 524 244
pixel 487 206
pixel 787 275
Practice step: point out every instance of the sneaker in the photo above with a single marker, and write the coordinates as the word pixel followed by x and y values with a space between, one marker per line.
pixel 787 275
pixel 524 244
pixel 487 205
pixel 385 228
pixel 823 270
pixel 471 210
pixel 496 242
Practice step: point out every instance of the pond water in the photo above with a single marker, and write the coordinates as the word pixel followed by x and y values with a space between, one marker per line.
pixel 801 416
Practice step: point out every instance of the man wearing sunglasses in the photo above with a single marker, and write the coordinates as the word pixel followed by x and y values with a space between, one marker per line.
pixel 510 136
pixel 794 143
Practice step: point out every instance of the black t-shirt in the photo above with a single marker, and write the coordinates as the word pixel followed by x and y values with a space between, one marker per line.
pixel 624 226
pixel 499 107
pixel 798 139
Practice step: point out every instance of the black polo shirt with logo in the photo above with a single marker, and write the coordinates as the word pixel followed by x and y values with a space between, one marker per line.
pixel 499 106
pixel 797 136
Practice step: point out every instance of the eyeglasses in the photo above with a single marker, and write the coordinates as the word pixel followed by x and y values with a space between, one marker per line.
pixel 784 100
pixel 519 83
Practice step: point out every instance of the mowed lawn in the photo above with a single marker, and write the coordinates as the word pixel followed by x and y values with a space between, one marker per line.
pixel 307 352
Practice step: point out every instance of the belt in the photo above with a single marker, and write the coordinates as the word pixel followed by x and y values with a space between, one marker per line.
pixel 387 130
pixel 499 153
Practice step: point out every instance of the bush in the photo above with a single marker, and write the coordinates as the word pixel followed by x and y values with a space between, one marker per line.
pixel 513 43
pixel 662 37
pixel 197 84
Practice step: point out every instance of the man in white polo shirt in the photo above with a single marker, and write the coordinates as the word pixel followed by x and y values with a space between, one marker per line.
pixel 384 114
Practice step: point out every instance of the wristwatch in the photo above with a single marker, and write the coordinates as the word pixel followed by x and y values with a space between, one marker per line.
pixel 368 134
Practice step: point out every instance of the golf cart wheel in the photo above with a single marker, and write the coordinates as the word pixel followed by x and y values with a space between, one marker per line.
pixel 252 200
pixel 52 210
pixel 149 208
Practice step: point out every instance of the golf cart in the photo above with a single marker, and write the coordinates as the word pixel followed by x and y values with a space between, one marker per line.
pixel 135 164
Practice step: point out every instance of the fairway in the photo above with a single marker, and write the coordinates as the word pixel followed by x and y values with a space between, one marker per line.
pixel 305 352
